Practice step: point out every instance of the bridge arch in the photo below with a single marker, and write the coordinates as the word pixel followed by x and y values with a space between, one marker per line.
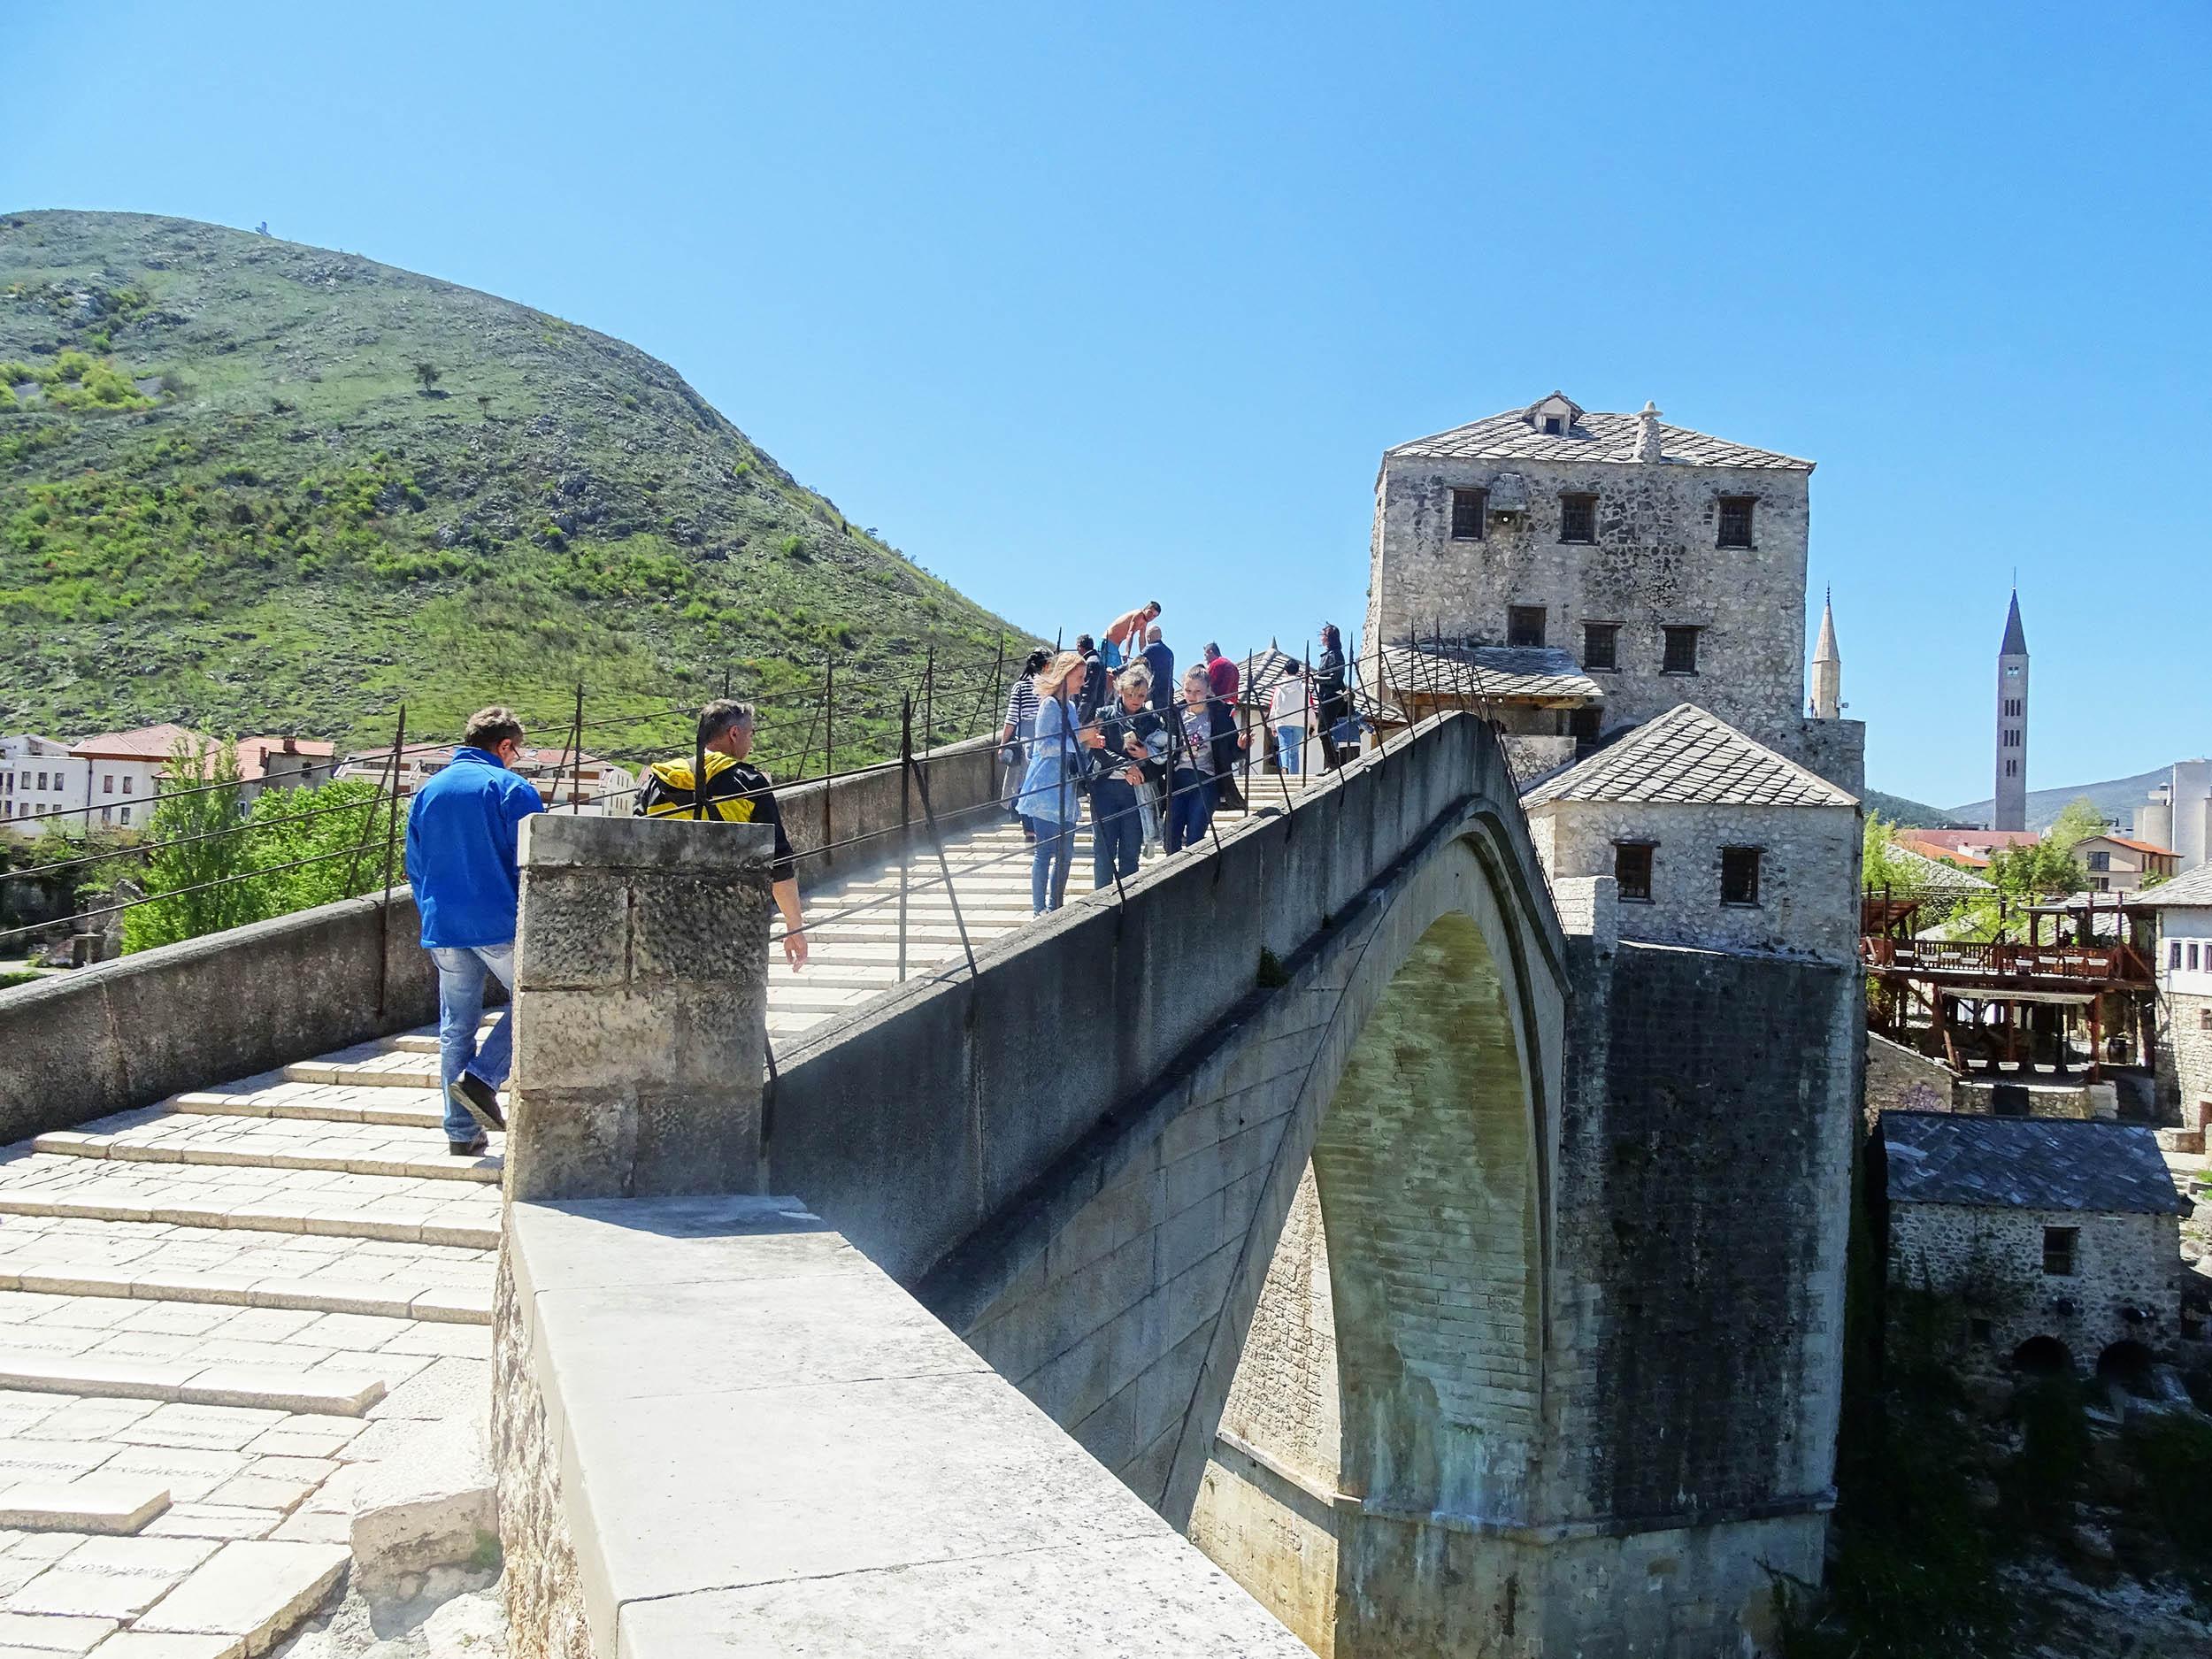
pixel 1390 1369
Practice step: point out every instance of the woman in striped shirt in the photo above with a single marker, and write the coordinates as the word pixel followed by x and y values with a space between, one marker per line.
pixel 1021 726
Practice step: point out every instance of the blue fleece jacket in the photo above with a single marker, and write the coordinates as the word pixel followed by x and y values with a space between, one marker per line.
pixel 461 835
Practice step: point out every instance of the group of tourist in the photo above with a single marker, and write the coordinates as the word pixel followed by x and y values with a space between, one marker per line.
pixel 1109 723
pixel 1154 756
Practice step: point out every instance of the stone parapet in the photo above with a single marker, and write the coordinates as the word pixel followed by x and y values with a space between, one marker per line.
pixel 721 1429
pixel 640 1007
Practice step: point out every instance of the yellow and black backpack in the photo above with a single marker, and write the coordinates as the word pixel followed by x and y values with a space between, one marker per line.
pixel 669 791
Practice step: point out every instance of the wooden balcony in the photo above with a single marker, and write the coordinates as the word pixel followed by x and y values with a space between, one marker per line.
pixel 2097 965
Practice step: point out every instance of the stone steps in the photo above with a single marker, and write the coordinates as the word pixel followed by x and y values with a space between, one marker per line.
pixel 191 1382
pixel 257 1142
pixel 337 1203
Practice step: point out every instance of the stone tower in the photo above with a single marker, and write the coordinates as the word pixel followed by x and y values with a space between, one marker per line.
pixel 1827 666
pixel 2012 724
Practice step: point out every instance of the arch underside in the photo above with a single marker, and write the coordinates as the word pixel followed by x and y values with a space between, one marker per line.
pixel 1392 1372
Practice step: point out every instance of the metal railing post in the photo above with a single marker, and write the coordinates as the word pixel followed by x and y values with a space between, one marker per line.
pixel 391 844
pixel 906 777
pixel 944 866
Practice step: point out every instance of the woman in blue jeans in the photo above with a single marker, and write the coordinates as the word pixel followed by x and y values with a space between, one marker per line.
pixel 1051 792
pixel 1116 823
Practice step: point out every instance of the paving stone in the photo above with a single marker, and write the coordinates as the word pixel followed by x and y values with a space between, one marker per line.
pixel 91 1503
pixel 94 1595
pixel 159 1556
pixel 134 1644
pixel 208 1520
pixel 48 1634
pixel 256 1591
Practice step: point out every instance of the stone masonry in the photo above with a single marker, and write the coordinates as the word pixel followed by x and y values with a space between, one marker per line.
pixel 1654 561
pixel 642 966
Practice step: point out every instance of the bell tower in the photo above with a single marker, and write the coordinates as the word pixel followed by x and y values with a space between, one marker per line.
pixel 2012 724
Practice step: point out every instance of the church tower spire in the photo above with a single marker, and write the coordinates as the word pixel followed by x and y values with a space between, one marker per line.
pixel 1827 665
pixel 2012 724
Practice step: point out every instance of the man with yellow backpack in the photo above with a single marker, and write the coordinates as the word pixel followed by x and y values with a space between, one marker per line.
pixel 736 792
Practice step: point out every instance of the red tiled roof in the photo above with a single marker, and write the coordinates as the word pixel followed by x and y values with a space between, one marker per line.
pixel 2135 846
pixel 1980 839
pixel 148 742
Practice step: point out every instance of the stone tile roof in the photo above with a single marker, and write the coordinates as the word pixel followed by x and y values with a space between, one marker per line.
pixel 1933 875
pixel 2195 887
pixel 2027 1163
pixel 1489 670
pixel 1593 437
pixel 1686 755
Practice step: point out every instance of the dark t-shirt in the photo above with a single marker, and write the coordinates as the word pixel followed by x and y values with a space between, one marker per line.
pixel 737 793
pixel 1161 661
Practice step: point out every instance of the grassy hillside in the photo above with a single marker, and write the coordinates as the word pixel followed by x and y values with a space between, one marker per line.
pixel 1902 810
pixel 253 486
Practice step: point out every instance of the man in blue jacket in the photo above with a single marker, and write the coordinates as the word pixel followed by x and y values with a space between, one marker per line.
pixel 462 832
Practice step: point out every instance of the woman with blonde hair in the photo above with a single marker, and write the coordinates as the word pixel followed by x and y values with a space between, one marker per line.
pixel 1051 798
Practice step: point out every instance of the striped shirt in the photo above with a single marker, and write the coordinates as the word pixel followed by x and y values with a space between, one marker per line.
pixel 1021 706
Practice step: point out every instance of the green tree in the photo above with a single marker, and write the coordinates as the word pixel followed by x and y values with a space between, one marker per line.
pixel 2077 824
pixel 429 374
pixel 198 798
pixel 340 827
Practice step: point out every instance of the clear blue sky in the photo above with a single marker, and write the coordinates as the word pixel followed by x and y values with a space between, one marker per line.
pixel 1082 304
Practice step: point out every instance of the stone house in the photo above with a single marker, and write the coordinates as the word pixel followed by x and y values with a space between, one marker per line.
pixel 2183 963
pixel 1713 839
pixel 2059 1237
pixel 1663 564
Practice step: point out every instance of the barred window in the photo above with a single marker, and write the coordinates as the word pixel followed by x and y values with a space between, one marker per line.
pixel 1467 510
pixel 1601 645
pixel 1735 520
pixel 1681 652
pixel 1525 625
pixel 2058 1251
pixel 1632 870
pixel 1740 875
pixel 1578 517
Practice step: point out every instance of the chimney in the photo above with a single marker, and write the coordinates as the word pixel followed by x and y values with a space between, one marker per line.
pixel 1647 440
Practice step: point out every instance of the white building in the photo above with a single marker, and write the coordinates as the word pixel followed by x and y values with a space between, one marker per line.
pixel 2179 812
pixel 2184 908
pixel 38 781
pixel 587 785
pixel 123 770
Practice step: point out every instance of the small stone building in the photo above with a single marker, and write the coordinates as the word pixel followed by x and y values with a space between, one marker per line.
pixel 2184 966
pixel 2059 1238
pixel 1714 840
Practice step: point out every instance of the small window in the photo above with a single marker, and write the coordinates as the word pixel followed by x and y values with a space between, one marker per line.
pixel 2204 1019
pixel 1467 509
pixel 1979 1329
pixel 127 815
pixel 107 783
pixel 1525 625
pixel 2192 955
pixel 1681 652
pixel 1601 645
pixel 2100 884
pixel 126 784
pixel 1578 517
pixel 2058 1251
pixel 42 780
pixel 2173 959
pixel 2101 861
pixel 1632 869
pixel 1553 427
pixel 1740 875
pixel 1735 521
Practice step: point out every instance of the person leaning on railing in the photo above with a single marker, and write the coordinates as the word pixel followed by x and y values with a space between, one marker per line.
pixel 1120 763
pixel 736 792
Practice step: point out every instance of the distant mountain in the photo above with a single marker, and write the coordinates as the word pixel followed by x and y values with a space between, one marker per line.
pixel 2116 798
pixel 248 485
pixel 1898 809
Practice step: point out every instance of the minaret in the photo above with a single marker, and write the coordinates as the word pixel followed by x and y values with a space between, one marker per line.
pixel 2012 724
pixel 1827 665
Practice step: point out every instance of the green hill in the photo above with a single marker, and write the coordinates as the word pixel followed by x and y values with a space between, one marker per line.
pixel 251 485
pixel 1900 810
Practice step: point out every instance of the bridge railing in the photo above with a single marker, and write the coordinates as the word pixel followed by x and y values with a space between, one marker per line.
pixel 2107 964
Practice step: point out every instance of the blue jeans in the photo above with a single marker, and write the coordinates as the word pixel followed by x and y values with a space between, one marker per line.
pixel 1190 809
pixel 1289 741
pixel 1116 831
pixel 1048 864
pixel 460 1007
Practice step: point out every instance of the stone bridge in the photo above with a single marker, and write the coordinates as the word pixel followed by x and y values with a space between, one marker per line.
pixel 1459 1278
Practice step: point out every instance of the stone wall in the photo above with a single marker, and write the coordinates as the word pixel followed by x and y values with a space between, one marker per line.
pixel 131 1032
pixel 1654 564
pixel 957 778
pixel 1898 1079
pixel 1992 1259
pixel 1834 748
pixel 2184 1057
pixel 1808 872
